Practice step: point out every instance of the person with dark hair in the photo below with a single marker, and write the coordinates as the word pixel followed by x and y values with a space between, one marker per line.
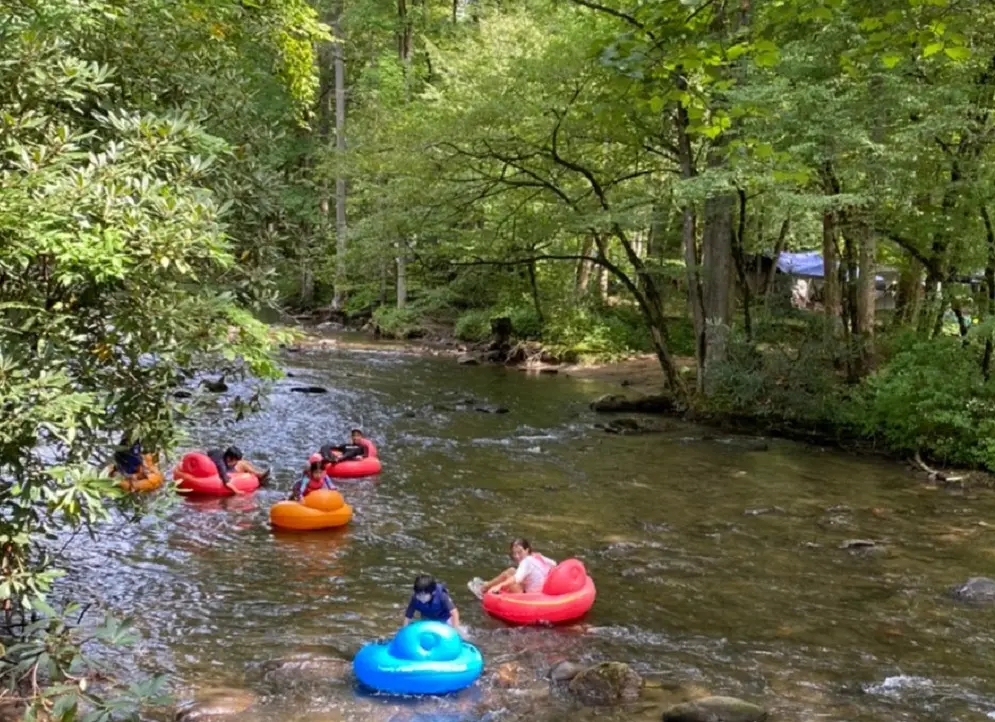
pixel 528 575
pixel 128 459
pixel 356 448
pixel 230 461
pixel 431 601
pixel 314 478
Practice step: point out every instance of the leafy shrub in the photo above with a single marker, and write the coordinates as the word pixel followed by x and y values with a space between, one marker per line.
pixel 609 332
pixel 473 325
pixel 525 321
pixel 796 382
pixel 399 322
pixel 930 397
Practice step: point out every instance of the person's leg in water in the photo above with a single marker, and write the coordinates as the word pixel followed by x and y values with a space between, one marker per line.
pixel 479 587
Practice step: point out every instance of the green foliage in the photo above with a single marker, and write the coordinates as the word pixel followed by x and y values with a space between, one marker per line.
pixel 797 382
pixel 594 330
pixel 117 279
pixel 931 397
pixel 399 322
pixel 473 325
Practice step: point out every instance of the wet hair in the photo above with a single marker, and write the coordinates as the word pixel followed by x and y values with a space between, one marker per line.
pixel 357 431
pixel 523 543
pixel 233 452
pixel 315 466
pixel 424 584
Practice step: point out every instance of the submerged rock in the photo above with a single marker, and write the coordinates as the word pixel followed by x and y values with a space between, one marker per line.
pixel 630 427
pixel 467 360
pixel 309 389
pixel 565 671
pixel 307 669
pixel 216 387
pixel 606 684
pixel 975 590
pixel 491 409
pixel 859 544
pixel 715 709
pixel 182 394
pixel 656 404
pixel 216 704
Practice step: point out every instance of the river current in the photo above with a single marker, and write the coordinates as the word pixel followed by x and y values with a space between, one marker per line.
pixel 718 563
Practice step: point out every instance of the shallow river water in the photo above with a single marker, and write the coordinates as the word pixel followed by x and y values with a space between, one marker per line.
pixel 717 564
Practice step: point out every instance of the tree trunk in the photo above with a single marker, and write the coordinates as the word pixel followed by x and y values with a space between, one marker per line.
pixel 341 244
pixel 782 239
pixel 738 242
pixel 986 359
pixel 832 291
pixel 402 277
pixel 584 268
pixel 534 285
pixel 307 283
pixel 689 239
pixel 716 255
pixel 866 297
pixel 907 300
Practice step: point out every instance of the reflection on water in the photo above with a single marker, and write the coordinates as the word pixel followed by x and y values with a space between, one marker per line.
pixel 716 565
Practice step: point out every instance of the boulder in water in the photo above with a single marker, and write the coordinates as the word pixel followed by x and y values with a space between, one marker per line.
pixel 307 669
pixel 564 671
pixel 491 409
pixel 309 390
pixel 612 403
pixel 216 387
pixel 629 427
pixel 216 704
pixel 975 590
pixel 467 359
pixel 715 709
pixel 607 683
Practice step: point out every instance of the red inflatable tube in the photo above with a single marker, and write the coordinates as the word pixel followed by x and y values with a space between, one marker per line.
pixel 197 474
pixel 356 468
pixel 567 596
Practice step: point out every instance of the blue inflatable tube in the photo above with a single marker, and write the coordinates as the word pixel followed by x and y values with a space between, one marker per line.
pixel 423 658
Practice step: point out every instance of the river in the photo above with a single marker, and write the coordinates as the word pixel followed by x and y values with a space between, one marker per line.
pixel 717 564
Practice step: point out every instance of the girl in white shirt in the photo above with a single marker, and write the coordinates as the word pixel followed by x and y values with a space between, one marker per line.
pixel 529 574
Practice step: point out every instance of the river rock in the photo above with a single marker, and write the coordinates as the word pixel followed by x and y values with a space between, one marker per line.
pixel 216 704
pixel 975 590
pixel 715 709
pixel 215 387
pixel 182 394
pixel 510 675
pixel 491 409
pixel 858 544
pixel 309 390
pixel 565 671
pixel 656 404
pixel 629 427
pixel 606 684
pixel 467 359
pixel 306 669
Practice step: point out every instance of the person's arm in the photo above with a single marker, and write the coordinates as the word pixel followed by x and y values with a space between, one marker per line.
pixel 454 617
pixel 518 577
pixel 409 613
pixel 295 490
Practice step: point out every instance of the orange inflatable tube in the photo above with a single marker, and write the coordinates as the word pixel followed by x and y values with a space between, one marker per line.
pixel 321 509
pixel 149 479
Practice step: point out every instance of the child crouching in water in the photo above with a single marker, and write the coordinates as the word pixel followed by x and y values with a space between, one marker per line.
pixel 432 602
pixel 314 478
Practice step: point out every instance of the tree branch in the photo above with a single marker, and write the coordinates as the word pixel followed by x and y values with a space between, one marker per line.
pixel 615 14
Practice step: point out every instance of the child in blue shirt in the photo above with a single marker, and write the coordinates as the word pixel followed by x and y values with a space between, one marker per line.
pixel 432 601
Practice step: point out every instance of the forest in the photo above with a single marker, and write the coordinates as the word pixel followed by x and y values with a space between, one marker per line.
pixel 614 177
